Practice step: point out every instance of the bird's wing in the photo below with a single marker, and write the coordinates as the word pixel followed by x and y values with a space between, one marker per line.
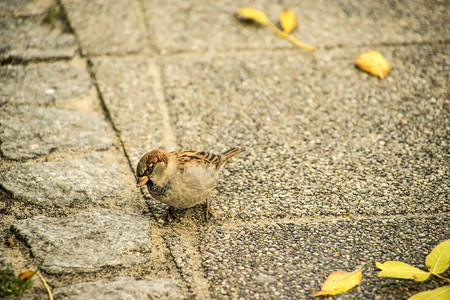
pixel 205 158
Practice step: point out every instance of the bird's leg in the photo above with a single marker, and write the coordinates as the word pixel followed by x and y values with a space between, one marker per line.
pixel 170 214
pixel 208 212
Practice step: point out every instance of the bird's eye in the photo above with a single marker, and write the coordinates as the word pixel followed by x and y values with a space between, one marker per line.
pixel 150 169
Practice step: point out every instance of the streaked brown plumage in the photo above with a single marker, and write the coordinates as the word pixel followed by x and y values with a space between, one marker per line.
pixel 182 178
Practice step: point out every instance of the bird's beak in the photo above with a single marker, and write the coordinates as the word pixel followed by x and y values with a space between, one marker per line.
pixel 141 181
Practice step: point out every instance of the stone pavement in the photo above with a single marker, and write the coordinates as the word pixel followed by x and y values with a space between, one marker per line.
pixel 342 169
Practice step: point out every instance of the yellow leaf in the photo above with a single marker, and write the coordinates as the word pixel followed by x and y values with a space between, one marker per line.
pixel 439 258
pixel 398 269
pixel 288 20
pixel 373 62
pixel 24 275
pixel 442 293
pixel 339 282
pixel 248 13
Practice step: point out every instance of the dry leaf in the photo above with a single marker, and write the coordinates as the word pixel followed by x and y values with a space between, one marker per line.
pixel 374 63
pixel 339 282
pixel 442 293
pixel 288 20
pixel 439 258
pixel 24 275
pixel 398 269
pixel 248 13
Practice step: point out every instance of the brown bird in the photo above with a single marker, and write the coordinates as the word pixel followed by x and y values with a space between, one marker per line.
pixel 182 178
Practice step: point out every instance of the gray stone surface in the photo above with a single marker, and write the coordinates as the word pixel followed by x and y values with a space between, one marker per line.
pixel 211 26
pixel 67 184
pixel 355 145
pixel 287 260
pixel 86 242
pixel 29 132
pixel 43 84
pixel 96 23
pixel 122 288
pixel 30 38
pixel 25 7
pixel 130 93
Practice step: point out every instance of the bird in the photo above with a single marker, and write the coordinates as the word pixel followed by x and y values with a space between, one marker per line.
pixel 182 178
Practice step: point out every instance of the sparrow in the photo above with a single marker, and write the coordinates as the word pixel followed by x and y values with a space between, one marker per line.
pixel 182 178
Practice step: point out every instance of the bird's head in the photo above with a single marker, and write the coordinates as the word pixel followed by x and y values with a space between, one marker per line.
pixel 152 163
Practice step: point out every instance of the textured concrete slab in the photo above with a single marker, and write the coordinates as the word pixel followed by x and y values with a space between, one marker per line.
pixel 32 39
pixel 123 288
pixel 29 132
pixel 86 242
pixel 43 84
pixel 60 186
pixel 25 7
pixel 356 145
pixel 132 95
pixel 288 260
pixel 96 24
pixel 211 26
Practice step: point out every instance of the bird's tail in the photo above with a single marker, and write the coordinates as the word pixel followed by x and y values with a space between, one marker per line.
pixel 230 153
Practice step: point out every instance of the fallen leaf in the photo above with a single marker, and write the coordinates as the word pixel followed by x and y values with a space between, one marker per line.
pixel 373 62
pixel 248 13
pixel 339 282
pixel 24 275
pixel 442 293
pixel 288 20
pixel 398 269
pixel 439 258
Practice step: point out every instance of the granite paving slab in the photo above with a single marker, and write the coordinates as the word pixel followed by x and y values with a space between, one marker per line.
pixel 25 7
pixel 122 288
pixel 96 24
pixel 32 39
pixel 131 92
pixel 43 84
pixel 29 132
pixel 61 186
pixel 86 242
pixel 211 26
pixel 291 260
pixel 356 145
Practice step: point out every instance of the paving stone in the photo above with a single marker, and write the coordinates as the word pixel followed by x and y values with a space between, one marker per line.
pixel 86 242
pixel 324 138
pixel 122 288
pixel 32 39
pixel 43 84
pixel 287 260
pixel 71 183
pixel 4 263
pixel 106 27
pixel 211 26
pixel 25 7
pixel 129 90
pixel 29 132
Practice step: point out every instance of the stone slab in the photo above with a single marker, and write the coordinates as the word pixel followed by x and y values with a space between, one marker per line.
pixel 59 186
pixel 210 25
pixel 322 137
pixel 291 260
pixel 86 242
pixel 32 39
pixel 122 288
pixel 129 89
pixel 29 132
pixel 106 27
pixel 43 84
pixel 25 7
